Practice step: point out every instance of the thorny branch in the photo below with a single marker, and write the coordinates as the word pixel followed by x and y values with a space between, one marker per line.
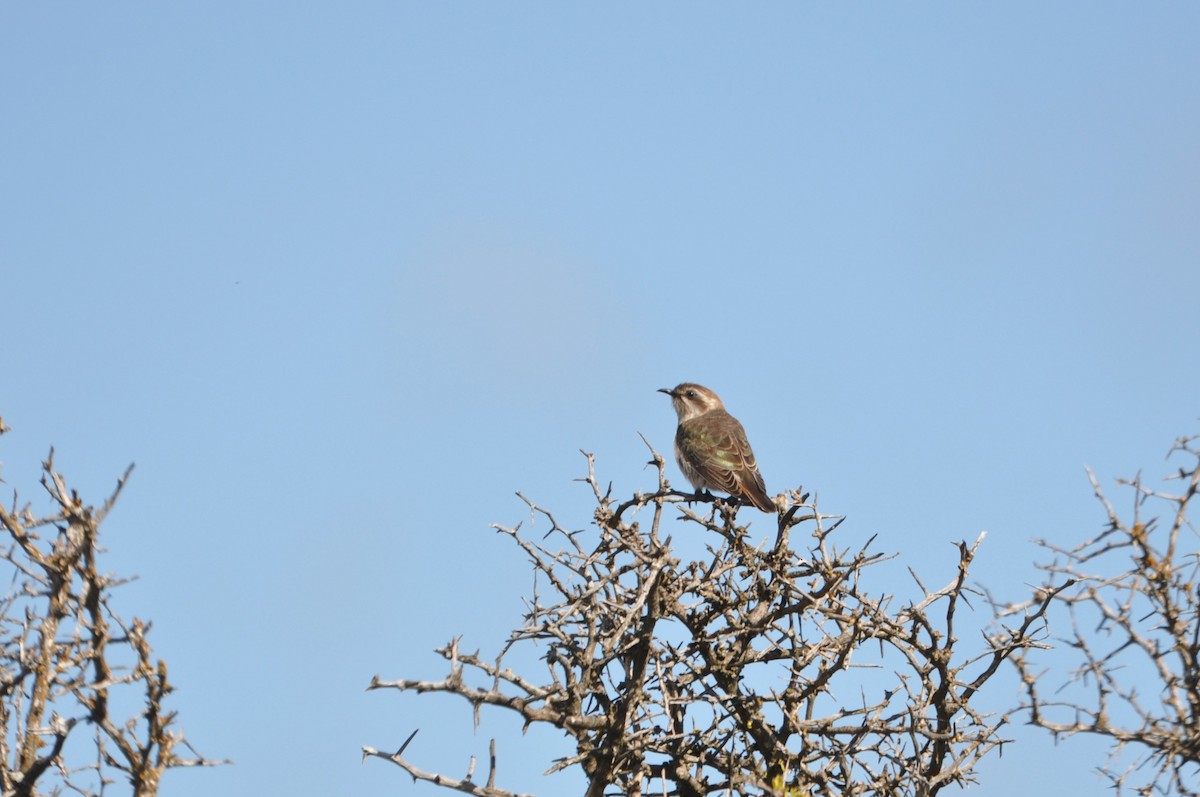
pixel 734 675
pixel 1134 615
pixel 64 654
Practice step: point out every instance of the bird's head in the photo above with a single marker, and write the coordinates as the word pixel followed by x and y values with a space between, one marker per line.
pixel 690 400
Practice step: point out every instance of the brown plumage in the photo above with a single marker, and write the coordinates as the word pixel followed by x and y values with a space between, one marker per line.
pixel 712 449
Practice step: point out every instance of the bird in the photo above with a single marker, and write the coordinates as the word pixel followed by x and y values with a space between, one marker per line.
pixel 711 447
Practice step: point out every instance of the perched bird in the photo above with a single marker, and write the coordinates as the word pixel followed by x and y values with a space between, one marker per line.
pixel 711 447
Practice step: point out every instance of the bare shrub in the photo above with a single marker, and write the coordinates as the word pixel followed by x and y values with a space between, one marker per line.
pixel 760 670
pixel 1133 608
pixel 67 660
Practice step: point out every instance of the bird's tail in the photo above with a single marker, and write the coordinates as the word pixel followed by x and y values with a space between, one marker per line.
pixel 756 493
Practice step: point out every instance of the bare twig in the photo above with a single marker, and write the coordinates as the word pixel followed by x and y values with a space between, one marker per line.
pixel 723 675
pixel 1132 599
pixel 63 652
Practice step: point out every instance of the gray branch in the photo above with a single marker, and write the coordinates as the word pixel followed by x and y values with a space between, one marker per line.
pixel 723 675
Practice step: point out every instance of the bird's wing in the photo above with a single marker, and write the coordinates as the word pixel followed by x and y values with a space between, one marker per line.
pixel 726 462
pixel 753 488
pixel 749 480
pixel 708 449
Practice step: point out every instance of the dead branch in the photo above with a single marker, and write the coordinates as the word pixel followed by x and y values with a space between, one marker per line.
pixel 1131 596
pixel 730 675
pixel 63 653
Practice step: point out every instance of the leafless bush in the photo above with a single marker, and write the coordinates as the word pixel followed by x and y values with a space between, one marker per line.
pixel 761 670
pixel 67 660
pixel 1134 616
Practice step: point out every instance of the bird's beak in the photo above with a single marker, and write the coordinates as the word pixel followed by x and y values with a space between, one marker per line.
pixel 669 391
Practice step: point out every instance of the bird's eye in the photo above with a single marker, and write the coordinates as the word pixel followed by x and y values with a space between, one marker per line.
pixel 691 394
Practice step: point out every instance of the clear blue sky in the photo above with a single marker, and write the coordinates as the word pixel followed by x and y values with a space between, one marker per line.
pixel 341 277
